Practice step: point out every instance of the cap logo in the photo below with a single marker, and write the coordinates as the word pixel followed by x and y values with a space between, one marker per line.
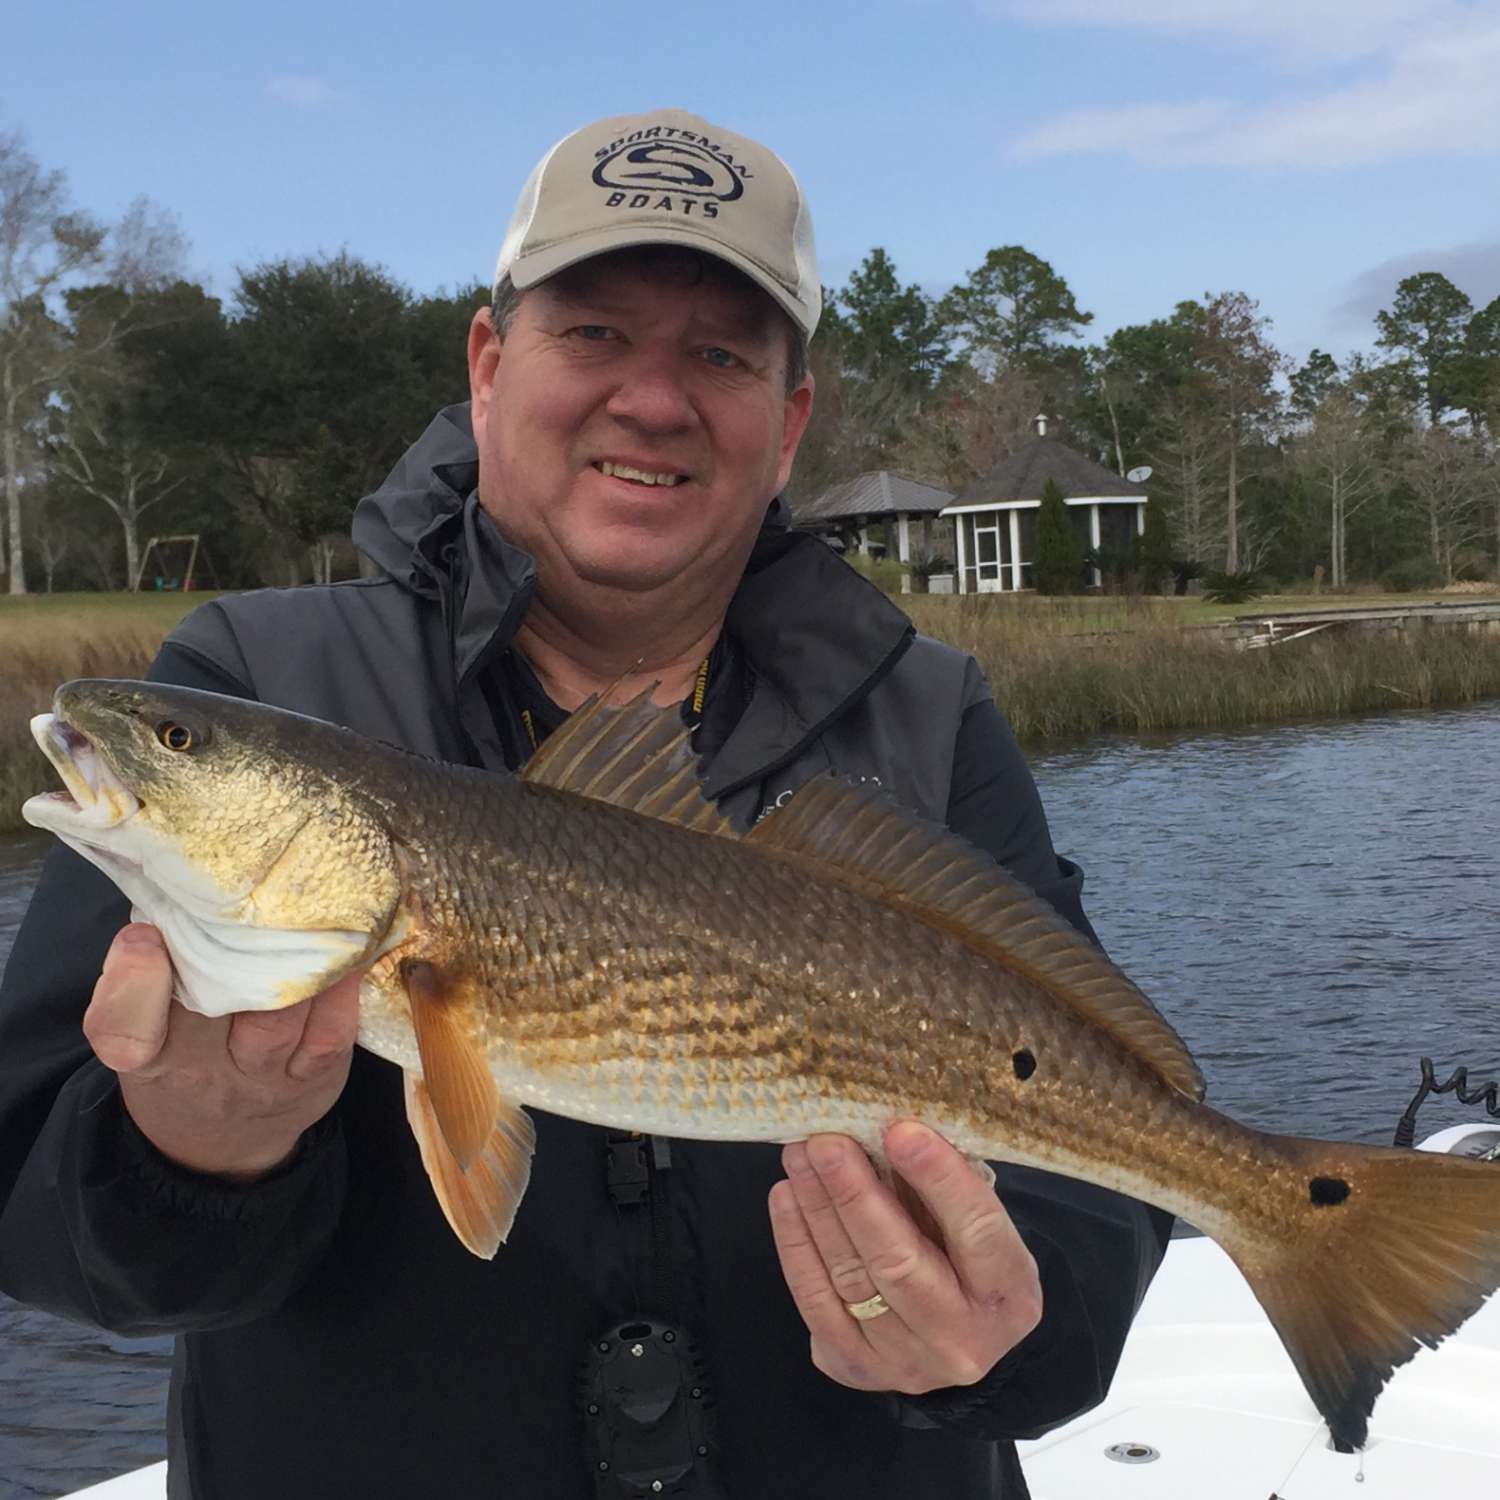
pixel 669 166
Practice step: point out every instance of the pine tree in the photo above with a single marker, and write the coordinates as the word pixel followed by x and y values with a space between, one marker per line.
pixel 1059 548
pixel 1154 550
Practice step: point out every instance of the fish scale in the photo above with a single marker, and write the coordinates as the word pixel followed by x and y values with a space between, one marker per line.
pixel 755 1018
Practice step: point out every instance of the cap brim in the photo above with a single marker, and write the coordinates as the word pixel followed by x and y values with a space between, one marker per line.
pixel 535 266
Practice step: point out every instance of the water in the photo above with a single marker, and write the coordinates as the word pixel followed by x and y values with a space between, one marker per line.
pixel 1314 907
pixel 76 1406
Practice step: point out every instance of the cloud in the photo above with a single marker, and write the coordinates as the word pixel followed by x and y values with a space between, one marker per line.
pixel 1474 269
pixel 303 90
pixel 1329 28
pixel 1429 92
pixel 1141 130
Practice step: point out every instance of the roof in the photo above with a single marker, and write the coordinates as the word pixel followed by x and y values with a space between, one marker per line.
pixel 880 492
pixel 1022 475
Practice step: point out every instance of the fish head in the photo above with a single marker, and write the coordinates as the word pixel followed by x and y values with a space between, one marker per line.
pixel 243 832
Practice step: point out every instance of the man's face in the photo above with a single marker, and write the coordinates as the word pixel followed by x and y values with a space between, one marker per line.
pixel 624 367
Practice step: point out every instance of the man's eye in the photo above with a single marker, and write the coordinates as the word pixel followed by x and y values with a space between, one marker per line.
pixel 723 358
pixel 594 332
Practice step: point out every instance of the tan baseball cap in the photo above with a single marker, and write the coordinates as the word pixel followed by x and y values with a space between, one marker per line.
pixel 667 178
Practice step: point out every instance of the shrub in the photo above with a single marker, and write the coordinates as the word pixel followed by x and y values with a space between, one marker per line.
pixel 1184 571
pixel 883 572
pixel 1231 588
pixel 1410 575
pixel 1154 550
pixel 1471 565
pixel 1059 548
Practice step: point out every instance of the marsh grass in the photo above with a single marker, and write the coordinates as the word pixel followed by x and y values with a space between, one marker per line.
pixel 1060 668
pixel 1070 669
pixel 48 639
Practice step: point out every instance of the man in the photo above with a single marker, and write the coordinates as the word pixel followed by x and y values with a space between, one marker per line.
pixel 604 509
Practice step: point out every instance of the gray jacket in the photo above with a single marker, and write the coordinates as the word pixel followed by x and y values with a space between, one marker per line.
pixel 334 1338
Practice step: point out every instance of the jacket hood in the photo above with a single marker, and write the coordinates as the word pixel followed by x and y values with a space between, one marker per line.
pixel 812 628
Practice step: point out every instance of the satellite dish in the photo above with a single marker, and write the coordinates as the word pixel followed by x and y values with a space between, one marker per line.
pixel 1140 475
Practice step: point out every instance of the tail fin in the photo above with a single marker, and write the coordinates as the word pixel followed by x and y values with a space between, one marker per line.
pixel 1383 1251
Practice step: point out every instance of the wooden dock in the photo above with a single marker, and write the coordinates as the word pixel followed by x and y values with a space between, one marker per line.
pixel 1272 628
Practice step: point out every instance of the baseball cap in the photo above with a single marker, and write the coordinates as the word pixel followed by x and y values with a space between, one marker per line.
pixel 667 178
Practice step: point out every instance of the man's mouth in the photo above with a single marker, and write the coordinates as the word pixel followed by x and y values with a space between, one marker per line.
pixel 639 476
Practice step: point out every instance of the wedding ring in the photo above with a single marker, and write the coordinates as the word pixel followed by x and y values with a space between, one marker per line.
pixel 871 1307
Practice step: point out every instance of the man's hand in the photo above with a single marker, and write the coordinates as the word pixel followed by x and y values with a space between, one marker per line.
pixel 955 1307
pixel 228 1095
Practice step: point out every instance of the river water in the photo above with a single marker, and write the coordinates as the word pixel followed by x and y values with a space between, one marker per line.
pixel 1314 907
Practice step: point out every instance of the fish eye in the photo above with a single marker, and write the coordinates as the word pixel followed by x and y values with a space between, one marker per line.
pixel 177 736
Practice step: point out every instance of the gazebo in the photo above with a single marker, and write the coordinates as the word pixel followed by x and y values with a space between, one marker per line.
pixel 879 500
pixel 996 516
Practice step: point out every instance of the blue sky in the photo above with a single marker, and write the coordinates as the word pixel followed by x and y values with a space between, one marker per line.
pixel 1308 152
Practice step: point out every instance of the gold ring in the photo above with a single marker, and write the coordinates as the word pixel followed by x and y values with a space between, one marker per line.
pixel 871 1307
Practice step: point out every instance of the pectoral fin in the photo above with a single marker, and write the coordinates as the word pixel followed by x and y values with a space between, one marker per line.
pixel 480 1202
pixel 463 1095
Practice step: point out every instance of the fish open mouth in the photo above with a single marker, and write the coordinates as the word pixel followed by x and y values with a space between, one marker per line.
pixel 94 797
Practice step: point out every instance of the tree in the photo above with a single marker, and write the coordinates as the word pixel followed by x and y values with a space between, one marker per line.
pixel 1154 550
pixel 1426 325
pixel 1187 458
pixel 1475 372
pixel 1131 374
pixel 1448 474
pixel 1238 365
pixel 43 244
pixel 967 426
pixel 1314 382
pixel 889 332
pixel 1058 568
pixel 1010 310
pixel 45 248
pixel 324 388
pixel 1338 458
pixel 111 438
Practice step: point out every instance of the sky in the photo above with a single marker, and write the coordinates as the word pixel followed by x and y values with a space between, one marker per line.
pixel 1308 152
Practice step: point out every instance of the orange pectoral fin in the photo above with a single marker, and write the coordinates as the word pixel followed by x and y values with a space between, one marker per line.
pixel 480 1202
pixel 462 1093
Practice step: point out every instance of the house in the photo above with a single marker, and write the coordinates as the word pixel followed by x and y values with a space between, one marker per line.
pixel 876 511
pixel 996 516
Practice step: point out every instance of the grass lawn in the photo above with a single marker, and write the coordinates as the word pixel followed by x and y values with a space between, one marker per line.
pixel 31 619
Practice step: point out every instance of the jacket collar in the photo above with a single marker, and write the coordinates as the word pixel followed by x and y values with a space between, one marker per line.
pixel 817 636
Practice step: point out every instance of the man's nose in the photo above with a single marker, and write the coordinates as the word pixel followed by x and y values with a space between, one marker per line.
pixel 653 394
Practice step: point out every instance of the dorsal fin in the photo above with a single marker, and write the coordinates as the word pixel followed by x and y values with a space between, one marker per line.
pixel 640 757
pixel 636 756
pixel 921 867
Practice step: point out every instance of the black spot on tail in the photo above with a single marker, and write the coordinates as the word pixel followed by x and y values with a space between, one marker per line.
pixel 1327 1191
pixel 1024 1063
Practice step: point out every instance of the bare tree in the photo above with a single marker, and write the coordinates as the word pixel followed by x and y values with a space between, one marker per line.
pixel 1337 454
pixel 1239 367
pixel 857 419
pixel 105 460
pixel 46 247
pixel 1449 476
pixel 970 424
pixel 54 539
pixel 1188 463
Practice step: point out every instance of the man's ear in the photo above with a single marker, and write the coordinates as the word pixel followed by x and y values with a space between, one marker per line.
pixel 484 355
pixel 798 409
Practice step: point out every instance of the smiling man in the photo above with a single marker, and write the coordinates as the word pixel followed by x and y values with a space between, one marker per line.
pixel 668 1317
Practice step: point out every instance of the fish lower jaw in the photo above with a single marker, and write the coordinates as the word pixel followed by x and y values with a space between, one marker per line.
pixel 93 799
pixel 71 820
